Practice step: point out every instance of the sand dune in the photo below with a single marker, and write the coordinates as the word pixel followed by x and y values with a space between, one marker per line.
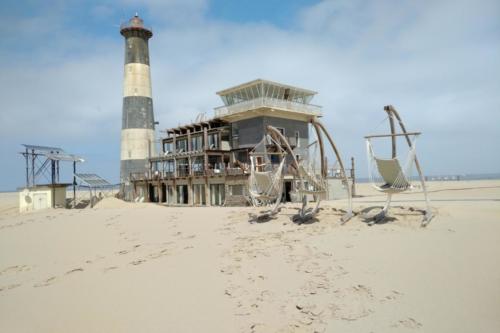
pixel 123 267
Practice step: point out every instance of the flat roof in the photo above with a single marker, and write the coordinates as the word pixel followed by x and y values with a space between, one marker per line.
pixel 260 81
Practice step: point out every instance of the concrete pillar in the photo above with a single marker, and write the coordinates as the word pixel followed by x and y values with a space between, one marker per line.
pixel 174 192
pixel 190 192
pixel 137 136
pixel 207 192
pixel 205 138
pixel 174 140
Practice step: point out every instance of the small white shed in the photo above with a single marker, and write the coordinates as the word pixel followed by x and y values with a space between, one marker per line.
pixel 42 197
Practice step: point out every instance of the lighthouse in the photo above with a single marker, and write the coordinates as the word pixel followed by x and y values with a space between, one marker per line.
pixel 138 124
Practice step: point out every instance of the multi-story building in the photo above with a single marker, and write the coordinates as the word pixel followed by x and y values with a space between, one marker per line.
pixel 206 162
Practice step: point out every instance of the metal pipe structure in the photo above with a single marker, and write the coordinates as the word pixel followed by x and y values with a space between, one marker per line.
pixel 138 125
pixel 391 110
pixel 353 177
pixel 33 157
pixel 27 169
pixel 74 184
pixel 392 135
pixel 318 128
pixel 393 132
pixel 349 213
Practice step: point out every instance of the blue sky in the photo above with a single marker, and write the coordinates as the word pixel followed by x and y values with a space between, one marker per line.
pixel 436 61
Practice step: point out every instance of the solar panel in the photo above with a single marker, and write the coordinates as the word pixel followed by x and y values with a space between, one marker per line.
pixel 92 180
pixel 44 148
pixel 64 157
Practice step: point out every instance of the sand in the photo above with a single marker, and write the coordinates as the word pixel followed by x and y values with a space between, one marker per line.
pixel 123 267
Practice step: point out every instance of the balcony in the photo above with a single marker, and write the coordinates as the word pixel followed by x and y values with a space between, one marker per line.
pixel 168 175
pixel 267 102
pixel 182 171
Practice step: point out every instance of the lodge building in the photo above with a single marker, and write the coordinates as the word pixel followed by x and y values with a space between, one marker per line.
pixel 206 162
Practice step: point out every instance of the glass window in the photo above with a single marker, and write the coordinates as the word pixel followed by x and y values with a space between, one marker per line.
pixel 267 90
pixel 168 147
pixel 213 141
pixel 169 166
pixel 281 129
pixel 196 142
pixel 275 159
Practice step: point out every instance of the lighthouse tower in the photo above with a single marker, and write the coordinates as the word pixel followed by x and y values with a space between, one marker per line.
pixel 138 135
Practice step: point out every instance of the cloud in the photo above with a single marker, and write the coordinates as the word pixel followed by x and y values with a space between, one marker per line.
pixel 172 12
pixel 435 61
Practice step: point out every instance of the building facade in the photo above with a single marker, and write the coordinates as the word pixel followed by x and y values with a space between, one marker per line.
pixel 206 163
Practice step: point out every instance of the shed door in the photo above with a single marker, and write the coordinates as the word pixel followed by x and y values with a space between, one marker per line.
pixel 39 201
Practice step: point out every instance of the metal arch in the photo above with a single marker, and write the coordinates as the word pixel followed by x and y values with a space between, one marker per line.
pixel 349 213
pixel 392 111
pixel 265 215
pixel 318 128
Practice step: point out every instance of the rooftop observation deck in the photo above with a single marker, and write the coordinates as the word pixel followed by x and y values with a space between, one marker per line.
pixel 263 94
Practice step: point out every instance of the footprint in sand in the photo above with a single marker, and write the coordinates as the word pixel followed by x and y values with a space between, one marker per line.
pixel 45 283
pixel 10 286
pixel 137 262
pixel 107 269
pixel 407 323
pixel 122 252
pixel 391 297
pixel 15 269
pixel 159 254
pixel 353 303
pixel 79 269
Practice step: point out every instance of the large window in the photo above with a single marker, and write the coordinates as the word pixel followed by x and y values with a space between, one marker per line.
pixel 182 167
pixel 168 147
pixel 169 167
pixel 199 194
pixel 281 129
pixel 197 143
pixel 197 166
pixel 182 194
pixel 217 194
pixel 181 145
pixel 213 141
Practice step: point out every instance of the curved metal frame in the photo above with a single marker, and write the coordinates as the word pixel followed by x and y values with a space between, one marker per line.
pixel 304 213
pixel 349 213
pixel 392 113
pixel 274 208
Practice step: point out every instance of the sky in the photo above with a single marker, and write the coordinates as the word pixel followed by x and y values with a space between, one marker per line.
pixel 437 62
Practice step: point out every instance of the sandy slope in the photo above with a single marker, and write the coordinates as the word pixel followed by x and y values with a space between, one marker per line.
pixel 124 267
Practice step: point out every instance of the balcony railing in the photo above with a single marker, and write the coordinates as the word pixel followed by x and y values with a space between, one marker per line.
pixel 168 174
pixel 140 175
pixel 215 172
pixel 234 172
pixel 183 171
pixel 264 102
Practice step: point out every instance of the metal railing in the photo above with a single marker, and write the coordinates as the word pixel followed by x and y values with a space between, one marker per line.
pixel 270 103
pixel 182 170
pixel 234 172
pixel 128 25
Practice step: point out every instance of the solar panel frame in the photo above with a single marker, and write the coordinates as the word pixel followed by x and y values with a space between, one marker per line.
pixel 92 180
pixel 44 148
pixel 64 157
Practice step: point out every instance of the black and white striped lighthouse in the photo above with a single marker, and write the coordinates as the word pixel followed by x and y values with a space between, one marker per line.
pixel 138 135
